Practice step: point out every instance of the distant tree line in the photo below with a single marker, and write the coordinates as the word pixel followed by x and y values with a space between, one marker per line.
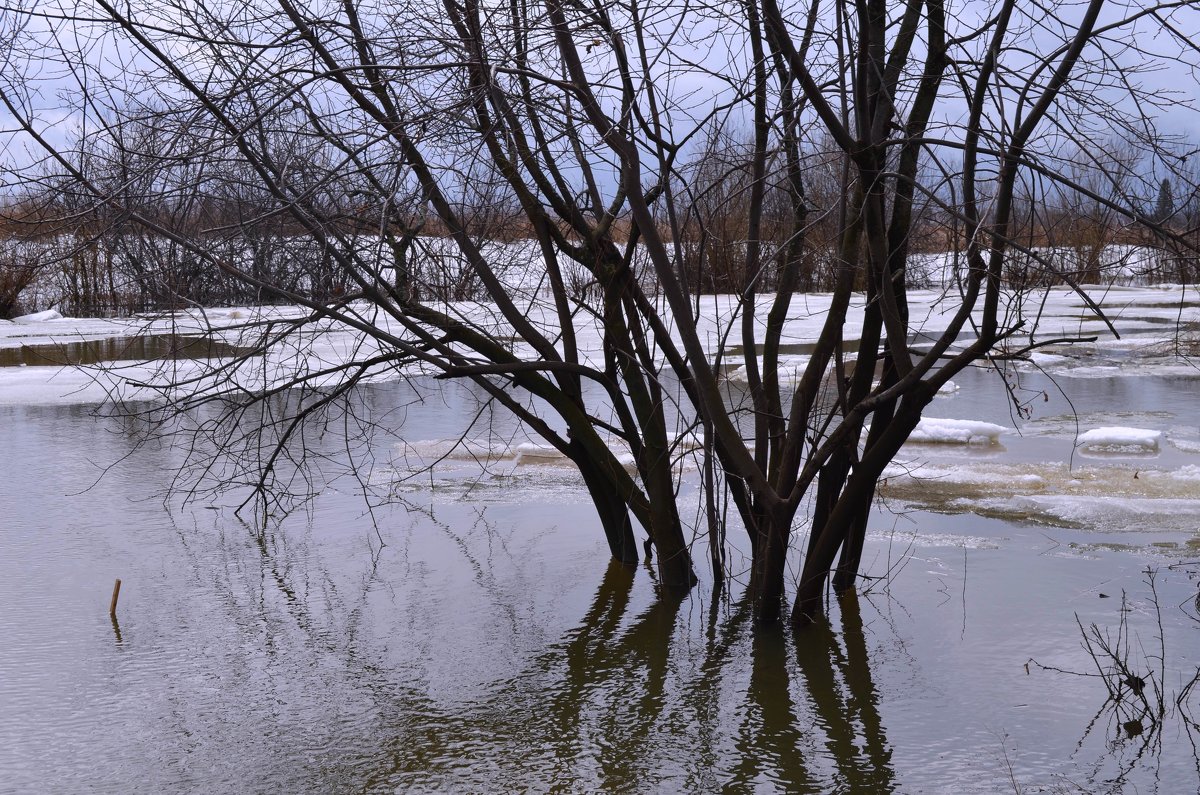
pixel 60 248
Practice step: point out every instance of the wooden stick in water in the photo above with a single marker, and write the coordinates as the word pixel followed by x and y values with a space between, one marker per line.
pixel 112 608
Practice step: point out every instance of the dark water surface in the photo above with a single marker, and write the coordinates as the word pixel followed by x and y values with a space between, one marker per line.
pixel 146 347
pixel 487 646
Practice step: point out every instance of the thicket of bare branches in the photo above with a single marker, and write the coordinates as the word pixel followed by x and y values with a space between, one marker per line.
pixel 365 162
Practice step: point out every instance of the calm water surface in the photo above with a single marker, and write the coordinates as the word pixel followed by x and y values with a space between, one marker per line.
pixel 472 638
pixel 146 347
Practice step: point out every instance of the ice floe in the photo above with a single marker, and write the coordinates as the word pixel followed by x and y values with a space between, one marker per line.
pixel 465 449
pixel 1111 498
pixel 934 430
pixel 534 453
pixel 790 369
pixel 451 455
pixel 1185 445
pixel 1118 439
pixel 1108 514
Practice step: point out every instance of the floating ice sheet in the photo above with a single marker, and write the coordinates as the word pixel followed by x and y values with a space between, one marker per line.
pixel 1108 498
pixel 934 430
pixel 1118 439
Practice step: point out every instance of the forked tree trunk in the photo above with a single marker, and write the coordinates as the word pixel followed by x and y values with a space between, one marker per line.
pixel 855 497
pixel 847 570
pixel 769 564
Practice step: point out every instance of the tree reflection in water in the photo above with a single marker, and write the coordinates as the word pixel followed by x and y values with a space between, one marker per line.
pixel 834 683
pixel 661 701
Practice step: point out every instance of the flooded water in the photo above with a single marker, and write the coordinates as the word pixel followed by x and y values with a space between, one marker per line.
pixel 470 635
pixel 146 347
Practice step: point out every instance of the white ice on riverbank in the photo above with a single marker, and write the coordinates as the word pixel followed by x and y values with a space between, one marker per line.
pixel 39 317
pixel 1154 324
pixel 324 344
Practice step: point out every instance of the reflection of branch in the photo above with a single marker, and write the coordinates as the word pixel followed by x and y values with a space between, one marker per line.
pixel 1133 698
pixel 863 765
pixel 857 673
pixel 628 670
pixel 462 371
pixel 1020 353
pixel 768 738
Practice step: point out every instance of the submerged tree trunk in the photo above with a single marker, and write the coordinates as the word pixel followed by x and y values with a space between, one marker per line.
pixel 768 571
pixel 613 511
pixel 851 556
pixel 855 497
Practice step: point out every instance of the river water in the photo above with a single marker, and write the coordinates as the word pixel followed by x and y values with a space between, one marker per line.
pixel 468 634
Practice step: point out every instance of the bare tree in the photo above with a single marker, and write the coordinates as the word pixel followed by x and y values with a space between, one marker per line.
pixel 592 129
